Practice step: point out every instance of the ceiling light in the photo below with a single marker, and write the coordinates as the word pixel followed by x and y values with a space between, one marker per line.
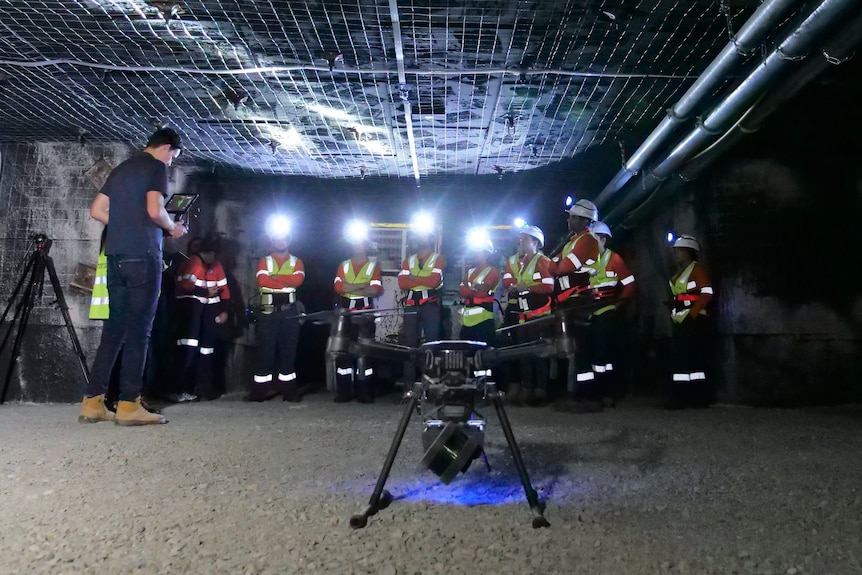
pixel 330 112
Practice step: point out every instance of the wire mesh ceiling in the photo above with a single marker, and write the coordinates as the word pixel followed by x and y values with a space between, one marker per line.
pixel 339 89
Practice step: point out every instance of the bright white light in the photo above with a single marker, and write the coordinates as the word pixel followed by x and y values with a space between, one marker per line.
pixel 330 112
pixel 670 237
pixel 356 231
pixel 360 129
pixel 478 239
pixel 519 223
pixel 422 223
pixel 277 226
pixel 373 146
pixel 289 138
pixel 569 201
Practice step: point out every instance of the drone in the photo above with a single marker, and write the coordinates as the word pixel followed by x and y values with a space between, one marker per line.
pixel 453 383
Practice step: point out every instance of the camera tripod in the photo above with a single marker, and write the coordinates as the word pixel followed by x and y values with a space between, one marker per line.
pixel 33 275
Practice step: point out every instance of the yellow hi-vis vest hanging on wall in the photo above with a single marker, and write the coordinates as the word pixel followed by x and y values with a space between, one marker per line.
pixel 352 277
pixel 483 306
pixel 99 300
pixel 421 271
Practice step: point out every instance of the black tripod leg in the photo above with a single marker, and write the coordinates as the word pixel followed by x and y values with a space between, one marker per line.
pixel 12 297
pixel 22 313
pixel 532 497
pixel 64 309
pixel 381 498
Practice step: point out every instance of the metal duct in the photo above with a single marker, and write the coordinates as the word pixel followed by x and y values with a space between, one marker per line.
pixel 764 20
pixel 795 47
pixel 839 48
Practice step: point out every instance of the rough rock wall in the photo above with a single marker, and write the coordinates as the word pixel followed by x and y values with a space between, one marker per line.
pixel 44 188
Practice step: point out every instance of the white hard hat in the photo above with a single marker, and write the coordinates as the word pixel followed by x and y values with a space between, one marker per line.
pixel 535 232
pixel 585 209
pixel 687 242
pixel 601 228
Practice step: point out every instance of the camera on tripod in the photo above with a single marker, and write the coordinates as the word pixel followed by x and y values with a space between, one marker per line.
pixel 41 240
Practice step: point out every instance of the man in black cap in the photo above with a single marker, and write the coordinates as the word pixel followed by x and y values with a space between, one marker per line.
pixel 133 197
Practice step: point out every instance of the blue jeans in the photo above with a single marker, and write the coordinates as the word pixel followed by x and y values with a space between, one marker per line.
pixel 133 291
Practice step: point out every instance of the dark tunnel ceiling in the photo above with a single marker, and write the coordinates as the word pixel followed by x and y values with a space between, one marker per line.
pixel 317 89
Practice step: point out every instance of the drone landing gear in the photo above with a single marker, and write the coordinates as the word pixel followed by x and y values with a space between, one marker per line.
pixel 381 498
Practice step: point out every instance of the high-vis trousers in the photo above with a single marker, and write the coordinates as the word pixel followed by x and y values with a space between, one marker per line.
pixel 277 338
pixel 689 359
pixel 196 340
pixel 355 375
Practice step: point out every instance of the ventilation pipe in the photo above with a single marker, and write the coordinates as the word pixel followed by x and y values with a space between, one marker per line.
pixel 795 47
pixel 764 20
pixel 839 48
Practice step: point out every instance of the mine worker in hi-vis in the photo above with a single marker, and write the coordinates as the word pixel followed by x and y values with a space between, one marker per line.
pixel 279 274
pixel 421 278
pixel 533 284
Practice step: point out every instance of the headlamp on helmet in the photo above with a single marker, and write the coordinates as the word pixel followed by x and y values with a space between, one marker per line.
pixel 278 226
pixel 422 224
pixel 356 231
pixel 479 241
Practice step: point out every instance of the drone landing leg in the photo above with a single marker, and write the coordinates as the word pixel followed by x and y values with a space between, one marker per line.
pixel 532 497
pixel 380 498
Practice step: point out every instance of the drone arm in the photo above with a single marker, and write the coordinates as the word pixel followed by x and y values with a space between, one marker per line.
pixel 496 356
pixel 385 351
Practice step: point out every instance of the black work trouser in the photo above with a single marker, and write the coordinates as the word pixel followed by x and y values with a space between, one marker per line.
pixel 422 326
pixel 509 372
pixel 277 338
pixel 355 375
pixel 689 362
pixel 195 350
pixel 482 331
pixel 606 354
pixel 534 370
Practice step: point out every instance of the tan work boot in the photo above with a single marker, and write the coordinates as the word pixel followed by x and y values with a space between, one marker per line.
pixel 133 413
pixel 93 410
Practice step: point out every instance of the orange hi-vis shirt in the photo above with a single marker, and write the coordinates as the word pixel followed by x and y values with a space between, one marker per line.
pixel 582 254
pixel 432 281
pixel 465 290
pixel 543 271
pixel 344 267
pixel 280 282
pixel 195 278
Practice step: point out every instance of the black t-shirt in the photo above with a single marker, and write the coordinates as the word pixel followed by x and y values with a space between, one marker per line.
pixel 130 229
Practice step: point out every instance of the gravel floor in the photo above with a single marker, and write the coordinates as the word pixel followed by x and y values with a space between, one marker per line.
pixel 230 487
